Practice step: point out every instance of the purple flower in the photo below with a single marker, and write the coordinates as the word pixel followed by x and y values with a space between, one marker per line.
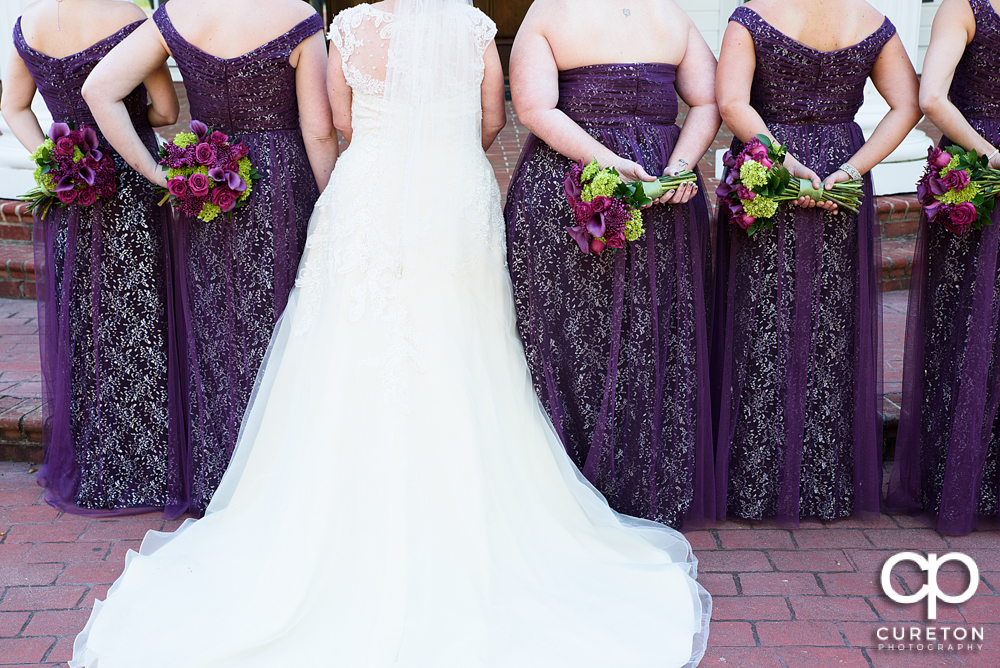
pixel 956 179
pixel 962 216
pixel 224 198
pixel 923 189
pixel 937 158
pixel 579 234
pixel 177 186
pixel 932 209
pixel 86 197
pixel 204 154
pixel 90 143
pixel 614 218
pixel 728 160
pixel 87 175
pixel 66 196
pixel 217 139
pixel 64 146
pixel 571 185
pixel 58 131
pixel 745 193
pixel 600 203
pixel 199 185
pixel 596 246
pixel 583 211
pixel 616 241
pixel 199 129
pixel 936 185
pixel 65 184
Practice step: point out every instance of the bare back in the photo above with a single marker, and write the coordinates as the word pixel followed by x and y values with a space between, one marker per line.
pixel 591 32
pixel 63 29
pixel 824 26
pixel 249 24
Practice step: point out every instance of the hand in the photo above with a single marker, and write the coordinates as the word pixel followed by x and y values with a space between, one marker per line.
pixel 995 162
pixel 631 171
pixel 159 178
pixel 680 196
pixel 800 171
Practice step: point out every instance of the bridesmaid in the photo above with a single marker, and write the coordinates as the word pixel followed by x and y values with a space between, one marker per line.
pixel 946 450
pixel 617 343
pixel 113 415
pixel 262 81
pixel 796 347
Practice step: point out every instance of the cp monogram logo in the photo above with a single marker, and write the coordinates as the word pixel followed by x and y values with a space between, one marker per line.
pixel 930 591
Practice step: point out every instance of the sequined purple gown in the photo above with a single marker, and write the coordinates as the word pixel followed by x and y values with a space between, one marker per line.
pixel 796 332
pixel 234 275
pixel 946 448
pixel 617 343
pixel 113 420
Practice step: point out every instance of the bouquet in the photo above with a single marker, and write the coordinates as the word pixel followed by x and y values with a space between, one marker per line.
pixel 70 169
pixel 606 209
pixel 757 182
pixel 206 174
pixel 958 189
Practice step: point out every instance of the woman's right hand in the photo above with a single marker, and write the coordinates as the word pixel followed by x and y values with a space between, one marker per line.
pixel 800 171
pixel 631 171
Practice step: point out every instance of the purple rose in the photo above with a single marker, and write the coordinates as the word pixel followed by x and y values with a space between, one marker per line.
pixel 745 193
pixel 64 146
pixel 86 197
pixel 217 138
pixel 617 241
pixel 756 150
pixel 963 215
pixel 177 186
pixel 240 151
pixel 596 246
pixel 224 198
pixel 583 211
pixel 956 179
pixel 199 185
pixel 199 129
pixel 58 131
pixel 600 203
pixel 204 154
pixel 580 236
pixel 937 158
pixel 744 220
pixel 66 196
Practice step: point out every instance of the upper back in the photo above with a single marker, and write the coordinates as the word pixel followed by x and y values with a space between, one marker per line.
pixel 820 26
pixel 975 88
pixel 63 29
pixel 591 32
pixel 249 24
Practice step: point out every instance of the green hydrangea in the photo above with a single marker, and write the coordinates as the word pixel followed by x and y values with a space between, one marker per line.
pixel 77 154
pixel 603 184
pixel 590 171
pixel 752 174
pixel 633 227
pixel 245 169
pixel 209 211
pixel 172 173
pixel 185 139
pixel 760 206
pixel 952 164
pixel 44 152
pixel 966 194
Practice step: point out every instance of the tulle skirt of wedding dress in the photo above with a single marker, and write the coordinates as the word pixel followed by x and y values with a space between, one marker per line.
pixel 398 498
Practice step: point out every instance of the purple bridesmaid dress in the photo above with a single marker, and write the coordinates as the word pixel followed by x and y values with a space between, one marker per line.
pixel 113 410
pixel 796 332
pixel 946 448
pixel 235 273
pixel 617 343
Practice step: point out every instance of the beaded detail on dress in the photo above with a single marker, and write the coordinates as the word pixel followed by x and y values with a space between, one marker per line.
pixel 975 89
pixel 804 85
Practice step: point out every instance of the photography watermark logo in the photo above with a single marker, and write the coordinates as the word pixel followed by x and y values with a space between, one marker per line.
pixel 931 637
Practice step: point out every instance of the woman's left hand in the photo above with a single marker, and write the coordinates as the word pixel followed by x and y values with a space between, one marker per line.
pixel 682 195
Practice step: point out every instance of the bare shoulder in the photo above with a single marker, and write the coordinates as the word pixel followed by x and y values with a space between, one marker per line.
pixel 296 10
pixel 124 13
pixel 545 13
pixel 869 18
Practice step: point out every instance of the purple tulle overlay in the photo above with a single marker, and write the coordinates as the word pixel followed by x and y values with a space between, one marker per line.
pixel 946 464
pixel 617 343
pixel 112 434
pixel 234 274
pixel 796 358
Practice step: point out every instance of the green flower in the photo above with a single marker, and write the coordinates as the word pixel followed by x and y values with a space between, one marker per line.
pixel 244 168
pixel 44 152
pixel 952 164
pixel 208 212
pixel 760 206
pixel 752 174
pixel 185 139
pixel 590 171
pixel 633 226
pixel 77 154
pixel 604 184
pixel 966 194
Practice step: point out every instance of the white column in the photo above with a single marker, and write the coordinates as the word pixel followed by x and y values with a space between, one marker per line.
pixel 899 172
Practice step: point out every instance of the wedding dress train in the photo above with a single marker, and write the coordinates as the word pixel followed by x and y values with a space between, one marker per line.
pixel 397 496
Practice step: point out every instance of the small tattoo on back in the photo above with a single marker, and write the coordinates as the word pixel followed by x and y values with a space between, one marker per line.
pixel 627 12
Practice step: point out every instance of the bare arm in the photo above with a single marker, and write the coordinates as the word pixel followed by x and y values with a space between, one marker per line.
pixel 314 108
pixel 494 105
pixel 954 27
pixel 737 64
pixel 895 79
pixel 534 83
pixel 18 92
pixel 696 86
pixel 340 94
pixel 130 63
pixel 164 107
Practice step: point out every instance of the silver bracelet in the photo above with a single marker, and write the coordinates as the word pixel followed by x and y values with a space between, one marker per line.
pixel 851 171
pixel 992 155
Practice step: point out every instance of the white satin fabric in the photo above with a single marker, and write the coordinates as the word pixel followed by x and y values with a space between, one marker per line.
pixel 398 497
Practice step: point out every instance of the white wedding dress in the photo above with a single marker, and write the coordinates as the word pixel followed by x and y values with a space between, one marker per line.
pixel 398 497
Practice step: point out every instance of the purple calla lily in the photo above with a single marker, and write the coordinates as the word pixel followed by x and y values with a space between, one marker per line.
pixel 199 129
pixel 58 131
pixel 579 234
pixel 87 175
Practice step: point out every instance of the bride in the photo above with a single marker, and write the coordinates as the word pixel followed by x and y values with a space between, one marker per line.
pixel 397 496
